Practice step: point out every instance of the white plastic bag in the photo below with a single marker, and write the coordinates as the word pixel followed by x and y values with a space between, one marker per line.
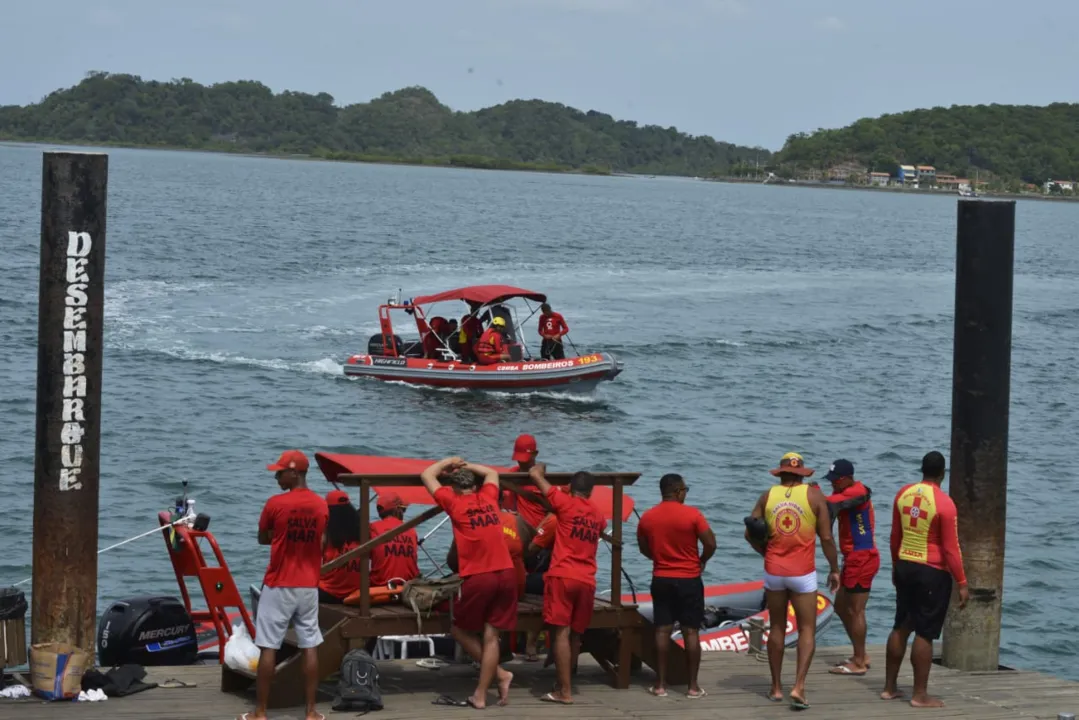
pixel 241 653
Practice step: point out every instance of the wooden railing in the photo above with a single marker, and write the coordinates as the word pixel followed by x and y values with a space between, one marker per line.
pixel 509 481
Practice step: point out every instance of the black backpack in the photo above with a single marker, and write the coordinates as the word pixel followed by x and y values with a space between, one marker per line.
pixel 358 687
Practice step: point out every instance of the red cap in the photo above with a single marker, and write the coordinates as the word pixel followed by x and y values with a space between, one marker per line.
pixel 389 500
pixel 290 460
pixel 524 449
pixel 337 497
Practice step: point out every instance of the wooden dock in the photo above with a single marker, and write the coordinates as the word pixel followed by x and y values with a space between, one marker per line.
pixel 736 684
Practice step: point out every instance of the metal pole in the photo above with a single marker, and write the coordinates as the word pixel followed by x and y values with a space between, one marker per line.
pixel 68 437
pixel 980 402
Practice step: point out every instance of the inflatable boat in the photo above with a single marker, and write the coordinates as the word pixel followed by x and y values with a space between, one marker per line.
pixel 436 358
pixel 728 608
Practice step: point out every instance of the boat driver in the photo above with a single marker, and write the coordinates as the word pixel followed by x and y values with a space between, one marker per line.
pixel 492 347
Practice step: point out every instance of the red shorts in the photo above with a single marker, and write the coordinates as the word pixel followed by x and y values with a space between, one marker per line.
pixel 859 569
pixel 568 603
pixel 488 598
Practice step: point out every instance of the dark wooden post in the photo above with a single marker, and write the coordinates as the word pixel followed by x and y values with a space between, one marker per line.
pixel 616 543
pixel 68 437
pixel 980 403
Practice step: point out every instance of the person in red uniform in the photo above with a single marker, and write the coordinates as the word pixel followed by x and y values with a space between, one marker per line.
pixel 527 505
pixel 293 524
pixel 925 560
pixel 668 535
pixel 517 536
pixel 396 559
pixel 552 328
pixel 342 535
pixel 469 331
pixel 850 502
pixel 570 587
pixel 491 348
pixel 488 599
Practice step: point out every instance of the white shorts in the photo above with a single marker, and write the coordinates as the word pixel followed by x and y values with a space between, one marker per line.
pixel 278 606
pixel 797 584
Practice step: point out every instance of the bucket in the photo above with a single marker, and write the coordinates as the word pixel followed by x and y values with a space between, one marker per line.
pixel 56 670
pixel 12 627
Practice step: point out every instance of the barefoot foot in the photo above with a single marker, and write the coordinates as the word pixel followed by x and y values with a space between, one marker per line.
pixel 925 701
pixel 891 694
pixel 504 680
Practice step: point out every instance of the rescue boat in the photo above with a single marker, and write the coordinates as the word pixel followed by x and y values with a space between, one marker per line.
pixel 728 610
pixel 435 358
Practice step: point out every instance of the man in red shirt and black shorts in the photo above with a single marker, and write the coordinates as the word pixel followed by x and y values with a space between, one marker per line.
pixel 552 328
pixel 668 535
pixel 488 600
pixel 293 524
pixel 569 591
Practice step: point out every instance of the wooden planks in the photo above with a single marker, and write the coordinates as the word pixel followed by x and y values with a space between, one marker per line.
pixel 736 684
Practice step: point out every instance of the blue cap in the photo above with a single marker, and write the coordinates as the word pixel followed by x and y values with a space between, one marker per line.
pixel 840 468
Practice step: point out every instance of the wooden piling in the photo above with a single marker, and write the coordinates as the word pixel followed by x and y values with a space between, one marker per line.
pixel 74 191
pixel 980 403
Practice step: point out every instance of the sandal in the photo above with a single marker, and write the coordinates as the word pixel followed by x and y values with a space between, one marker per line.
pixel 451 702
pixel 662 692
pixel 174 683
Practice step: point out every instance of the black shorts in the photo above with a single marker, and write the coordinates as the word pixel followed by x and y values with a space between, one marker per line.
pixel 552 350
pixel 678 600
pixel 922 594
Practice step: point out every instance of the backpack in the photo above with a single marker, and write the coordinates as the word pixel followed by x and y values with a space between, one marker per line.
pixel 358 689
pixel 423 595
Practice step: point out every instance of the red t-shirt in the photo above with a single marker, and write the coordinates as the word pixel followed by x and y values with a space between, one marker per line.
pixel 345 580
pixel 925 530
pixel 545 532
pixel 672 530
pixel 296 520
pixel 529 508
pixel 580 524
pixel 552 324
pixel 512 538
pixel 396 559
pixel 477 529
pixel 856 525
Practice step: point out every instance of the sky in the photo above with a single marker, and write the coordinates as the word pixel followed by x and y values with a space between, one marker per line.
pixel 745 71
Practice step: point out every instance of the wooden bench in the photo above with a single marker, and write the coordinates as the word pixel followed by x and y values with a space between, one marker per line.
pixel 613 638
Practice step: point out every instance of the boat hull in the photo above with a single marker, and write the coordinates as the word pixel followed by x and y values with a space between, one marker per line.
pixel 579 374
pixel 733 636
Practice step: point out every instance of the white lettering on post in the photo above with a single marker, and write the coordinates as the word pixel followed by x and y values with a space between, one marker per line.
pixel 74 368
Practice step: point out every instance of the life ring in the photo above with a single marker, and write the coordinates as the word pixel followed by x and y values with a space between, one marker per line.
pixel 379 594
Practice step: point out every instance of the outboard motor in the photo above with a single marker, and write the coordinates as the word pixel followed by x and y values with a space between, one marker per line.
pixel 375 346
pixel 148 630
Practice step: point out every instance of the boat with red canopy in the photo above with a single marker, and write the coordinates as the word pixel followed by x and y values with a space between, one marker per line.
pixel 440 357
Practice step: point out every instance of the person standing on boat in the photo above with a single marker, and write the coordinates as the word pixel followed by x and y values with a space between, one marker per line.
pixel 850 502
pixel 488 600
pixel 293 524
pixel 796 514
pixel 569 592
pixel 668 535
pixel 398 558
pixel 552 328
pixel 926 558
pixel 342 535
pixel 491 347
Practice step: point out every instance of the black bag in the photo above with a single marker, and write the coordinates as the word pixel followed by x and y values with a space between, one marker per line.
pixel 12 604
pixel 358 689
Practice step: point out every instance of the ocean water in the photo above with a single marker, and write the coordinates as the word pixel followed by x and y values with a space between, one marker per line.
pixel 752 320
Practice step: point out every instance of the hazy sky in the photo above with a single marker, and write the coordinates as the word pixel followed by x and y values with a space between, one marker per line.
pixel 745 71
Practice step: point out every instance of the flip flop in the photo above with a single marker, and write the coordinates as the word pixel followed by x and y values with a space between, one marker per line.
pixel 798 703
pixel 657 693
pixel 849 661
pixel 773 698
pixel 431 663
pixel 845 670
pixel 550 697
pixel 532 657
pixel 695 696
pixel 451 702
pixel 174 683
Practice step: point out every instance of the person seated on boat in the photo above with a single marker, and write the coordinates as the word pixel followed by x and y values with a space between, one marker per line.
pixel 397 559
pixel 342 535
pixel 470 331
pixel 552 328
pixel 492 347
pixel 432 340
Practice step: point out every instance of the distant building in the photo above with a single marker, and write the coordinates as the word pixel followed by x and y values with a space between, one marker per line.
pixel 1065 185
pixel 879 178
pixel 951 182
pixel 927 175
pixel 907 175
pixel 843 171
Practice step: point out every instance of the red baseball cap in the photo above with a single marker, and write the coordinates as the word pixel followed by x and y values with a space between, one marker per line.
pixel 524 448
pixel 337 497
pixel 290 460
pixel 390 500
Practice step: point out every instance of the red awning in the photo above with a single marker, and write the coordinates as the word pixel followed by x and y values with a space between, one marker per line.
pixel 334 464
pixel 482 294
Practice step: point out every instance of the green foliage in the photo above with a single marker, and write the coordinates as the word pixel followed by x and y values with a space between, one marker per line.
pixel 404 126
pixel 1010 141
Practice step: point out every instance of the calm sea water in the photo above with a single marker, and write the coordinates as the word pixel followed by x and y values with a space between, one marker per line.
pixel 753 321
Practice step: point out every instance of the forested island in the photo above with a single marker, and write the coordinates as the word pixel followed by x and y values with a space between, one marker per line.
pixel 405 126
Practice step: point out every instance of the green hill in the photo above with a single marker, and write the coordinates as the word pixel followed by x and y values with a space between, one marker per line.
pixel 408 125
pixel 1012 142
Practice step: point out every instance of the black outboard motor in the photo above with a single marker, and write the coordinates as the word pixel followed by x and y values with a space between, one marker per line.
pixel 148 630
pixel 375 346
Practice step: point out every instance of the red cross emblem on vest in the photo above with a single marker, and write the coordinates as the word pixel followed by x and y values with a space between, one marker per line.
pixel 914 511
pixel 787 523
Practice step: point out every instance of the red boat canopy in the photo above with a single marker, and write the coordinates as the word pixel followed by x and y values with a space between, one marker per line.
pixel 482 294
pixel 334 464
